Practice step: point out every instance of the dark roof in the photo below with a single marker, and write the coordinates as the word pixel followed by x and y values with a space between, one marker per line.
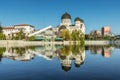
pixel 65 68
pixel 78 19
pixel 77 65
pixel 62 27
pixel 66 16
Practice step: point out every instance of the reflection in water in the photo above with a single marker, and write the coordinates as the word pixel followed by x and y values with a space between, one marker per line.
pixel 103 50
pixel 65 54
pixel 21 53
pixel 69 53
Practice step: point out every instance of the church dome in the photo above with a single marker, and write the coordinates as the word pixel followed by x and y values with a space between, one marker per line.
pixel 66 16
pixel 78 19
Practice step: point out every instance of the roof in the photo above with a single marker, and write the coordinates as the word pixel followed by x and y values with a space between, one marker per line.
pixel 62 27
pixel 65 68
pixel 78 19
pixel 66 16
pixel 8 27
pixel 24 25
pixel 57 39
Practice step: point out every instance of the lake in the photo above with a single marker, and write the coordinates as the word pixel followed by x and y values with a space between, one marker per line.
pixel 60 62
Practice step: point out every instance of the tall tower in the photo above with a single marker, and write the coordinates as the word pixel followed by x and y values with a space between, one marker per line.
pixel 66 19
pixel 80 24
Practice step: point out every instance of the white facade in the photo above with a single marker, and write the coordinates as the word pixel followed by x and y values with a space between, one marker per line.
pixel 25 28
pixel 66 22
pixel 11 31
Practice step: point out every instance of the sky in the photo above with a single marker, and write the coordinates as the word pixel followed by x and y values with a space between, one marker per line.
pixel 42 13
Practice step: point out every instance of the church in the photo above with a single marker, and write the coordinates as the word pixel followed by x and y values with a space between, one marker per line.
pixel 51 32
pixel 66 23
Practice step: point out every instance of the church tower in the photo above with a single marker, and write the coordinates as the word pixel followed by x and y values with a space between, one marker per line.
pixel 66 19
pixel 80 24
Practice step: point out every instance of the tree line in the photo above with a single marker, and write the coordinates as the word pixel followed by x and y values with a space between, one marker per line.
pixel 74 36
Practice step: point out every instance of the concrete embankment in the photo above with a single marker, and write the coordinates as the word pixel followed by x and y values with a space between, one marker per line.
pixel 103 42
pixel 20 43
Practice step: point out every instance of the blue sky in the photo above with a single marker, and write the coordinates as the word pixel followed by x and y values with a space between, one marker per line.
pixel 41 13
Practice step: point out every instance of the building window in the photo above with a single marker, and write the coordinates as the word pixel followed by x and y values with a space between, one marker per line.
pixel 81 25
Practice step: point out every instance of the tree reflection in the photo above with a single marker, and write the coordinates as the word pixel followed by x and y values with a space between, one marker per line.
pixel 2 50
pixel 69 53
pixel 66 54
pixel 65 50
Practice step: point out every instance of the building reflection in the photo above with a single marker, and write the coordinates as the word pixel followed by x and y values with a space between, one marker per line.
pixel 68 55
pixel 18 53
pixel 105 51
pixel 65 54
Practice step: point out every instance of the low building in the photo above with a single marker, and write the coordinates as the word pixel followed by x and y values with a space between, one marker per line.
pixel 96 32
pixel 26 28
pixel 13 30
pixel 9 32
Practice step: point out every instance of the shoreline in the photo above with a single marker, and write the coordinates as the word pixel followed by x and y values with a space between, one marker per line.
pixel 20 43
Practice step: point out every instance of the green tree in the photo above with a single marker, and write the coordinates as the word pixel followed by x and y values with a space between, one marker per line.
pixel 67 35
pixel 1 28
pixel 81 37
pixel 32 38
pixel 2 36
pixel 73 35
pixel 62 34
pixel 19 36
pixel 106 38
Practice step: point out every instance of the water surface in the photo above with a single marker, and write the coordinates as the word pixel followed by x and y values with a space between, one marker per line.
pixel 60 63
